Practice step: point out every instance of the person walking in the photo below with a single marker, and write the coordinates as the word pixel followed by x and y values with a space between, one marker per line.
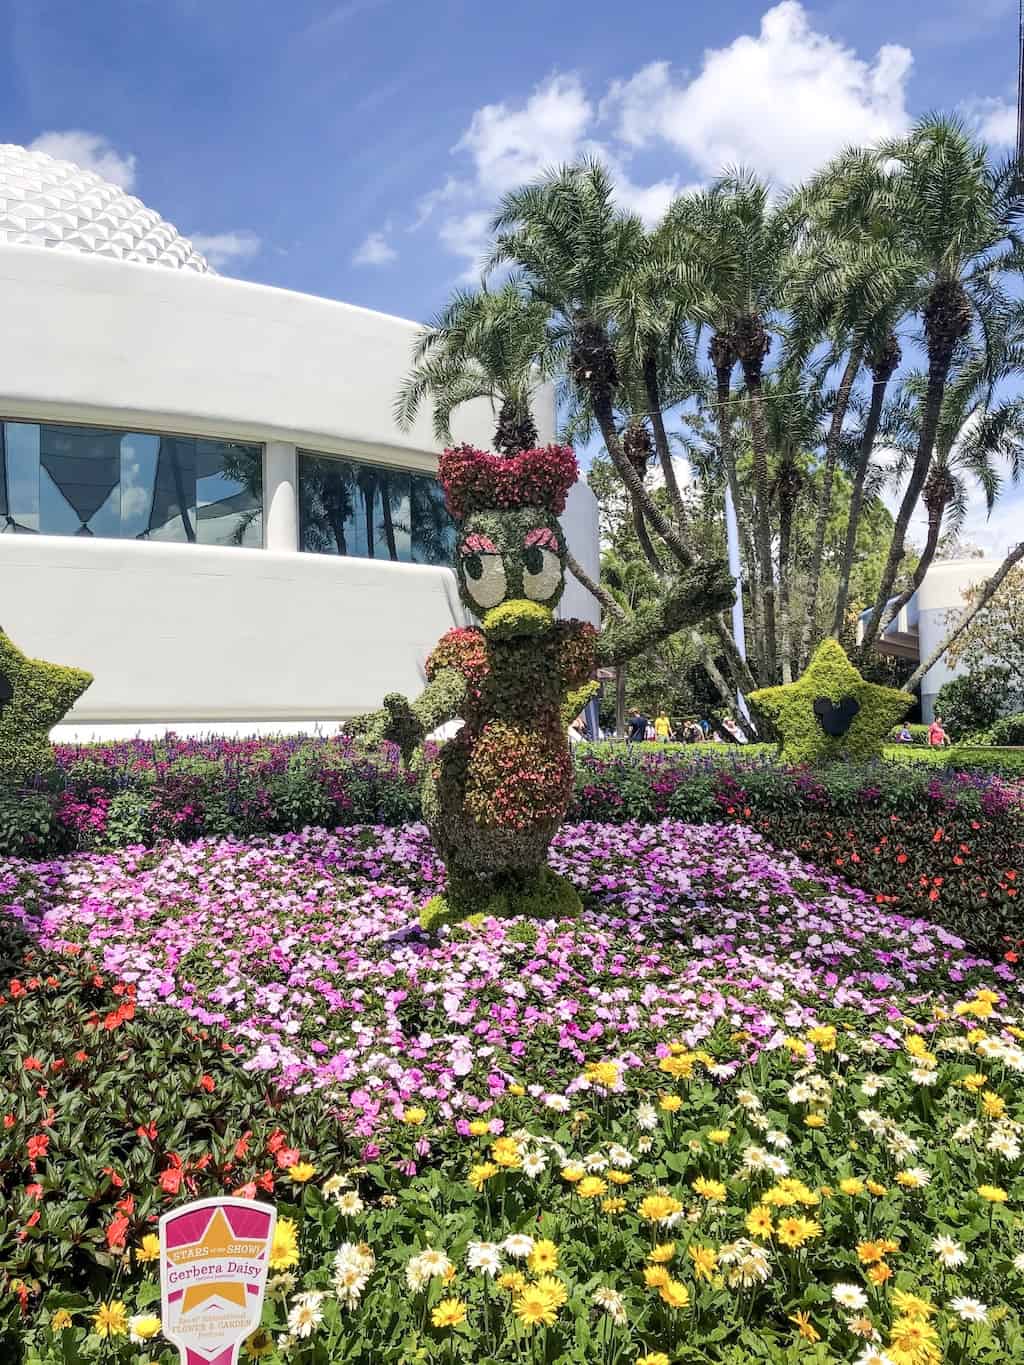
pixel 662 728
pixel 937 736
pixel 637 732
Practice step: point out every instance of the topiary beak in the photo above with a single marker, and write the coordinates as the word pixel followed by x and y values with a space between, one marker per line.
pixel 517 618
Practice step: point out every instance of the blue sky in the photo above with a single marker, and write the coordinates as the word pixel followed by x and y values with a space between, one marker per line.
pixel 354 148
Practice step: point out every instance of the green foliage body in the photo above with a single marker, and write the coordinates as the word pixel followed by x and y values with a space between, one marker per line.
pixel 41 695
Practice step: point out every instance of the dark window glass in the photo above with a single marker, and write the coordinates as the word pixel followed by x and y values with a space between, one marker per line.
pixel 433 531
pixel 86 481
pixel 372 512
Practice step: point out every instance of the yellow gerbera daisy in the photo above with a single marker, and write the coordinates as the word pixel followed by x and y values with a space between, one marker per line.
pixel 449 1313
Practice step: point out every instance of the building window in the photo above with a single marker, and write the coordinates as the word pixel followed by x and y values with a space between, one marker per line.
pixel 129 485
pixel 372 512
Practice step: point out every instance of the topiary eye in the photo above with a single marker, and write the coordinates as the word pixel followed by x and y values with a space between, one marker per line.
pixel 542 573
pixel 484 576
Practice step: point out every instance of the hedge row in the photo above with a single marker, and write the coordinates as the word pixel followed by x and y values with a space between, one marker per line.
pixel 916 836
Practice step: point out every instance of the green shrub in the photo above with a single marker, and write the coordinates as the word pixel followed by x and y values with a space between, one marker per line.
pixel 26 822
pixel 1009 730
pixel 972 702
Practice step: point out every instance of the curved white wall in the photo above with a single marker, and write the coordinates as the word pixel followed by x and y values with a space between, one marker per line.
pixel 940 598
pixel 94 340
pixel 209 637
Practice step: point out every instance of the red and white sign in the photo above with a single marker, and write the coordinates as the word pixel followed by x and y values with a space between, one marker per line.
pixel 214 1258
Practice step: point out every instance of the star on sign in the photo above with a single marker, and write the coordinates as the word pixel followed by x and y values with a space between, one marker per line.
pixel 34 696
pixel 831 711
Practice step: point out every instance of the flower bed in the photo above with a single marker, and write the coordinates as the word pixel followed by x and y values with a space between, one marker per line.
pixel 739 1113
pixel 946 843
pixel 306 950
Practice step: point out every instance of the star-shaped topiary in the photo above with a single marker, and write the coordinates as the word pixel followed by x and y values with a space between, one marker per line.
pixel 831 712
pixel 34 696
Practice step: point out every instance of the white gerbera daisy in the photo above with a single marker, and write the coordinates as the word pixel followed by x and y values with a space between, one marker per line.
pixel 612 1302
pixel 849 1296
pixel 305 1315
pixel 349 1203
pixel 485 1257
pixel 969 1310
pixel 647 1117
pixel 948 1252
pixel 873 1355
pixel 534 1164
pixel 518 1245
pixel 1004 1144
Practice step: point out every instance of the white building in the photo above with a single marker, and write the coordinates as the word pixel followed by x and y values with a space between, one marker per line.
pixel 204 499
pixel 922 625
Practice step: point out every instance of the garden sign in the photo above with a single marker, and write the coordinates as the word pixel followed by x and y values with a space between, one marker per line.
pixel 214 1257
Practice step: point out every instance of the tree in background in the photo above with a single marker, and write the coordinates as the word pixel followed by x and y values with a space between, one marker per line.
pixel 764 339
pixel 996 634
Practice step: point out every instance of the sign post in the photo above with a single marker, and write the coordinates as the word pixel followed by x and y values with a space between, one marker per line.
pixel 214 1259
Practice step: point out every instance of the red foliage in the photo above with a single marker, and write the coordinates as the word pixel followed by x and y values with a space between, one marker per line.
pixel 474 480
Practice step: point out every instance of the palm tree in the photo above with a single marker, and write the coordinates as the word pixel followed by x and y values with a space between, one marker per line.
pixel 742 241
pixel 852 290
pixel 883 360
pixel 482 345
pixel 794 421
pixel 576 249
pixel 948 219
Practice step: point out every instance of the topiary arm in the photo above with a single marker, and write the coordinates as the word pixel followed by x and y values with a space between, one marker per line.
pixel 696 594
pixel 406 723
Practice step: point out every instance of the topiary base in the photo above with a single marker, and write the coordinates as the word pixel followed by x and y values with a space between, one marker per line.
pixel 539 895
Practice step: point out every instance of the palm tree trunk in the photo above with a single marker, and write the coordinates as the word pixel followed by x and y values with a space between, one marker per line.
pixel 988 591
pixel 947 319
pixel 661 445
pixel 620 701
pixel 596 591
pixel 878 388
pixel 828 474
pixel 368 492
pixel 762 525
pixel 640 526
pixel 785 543
pixel 338 528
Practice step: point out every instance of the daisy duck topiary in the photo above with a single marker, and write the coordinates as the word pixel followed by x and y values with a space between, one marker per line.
pixel 496 793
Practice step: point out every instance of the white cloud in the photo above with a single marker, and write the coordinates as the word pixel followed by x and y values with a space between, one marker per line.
pixel 91 151
pixel 995 120
pixel 781 102
pixel 375 249
pixel 227 248
pixel 510 146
